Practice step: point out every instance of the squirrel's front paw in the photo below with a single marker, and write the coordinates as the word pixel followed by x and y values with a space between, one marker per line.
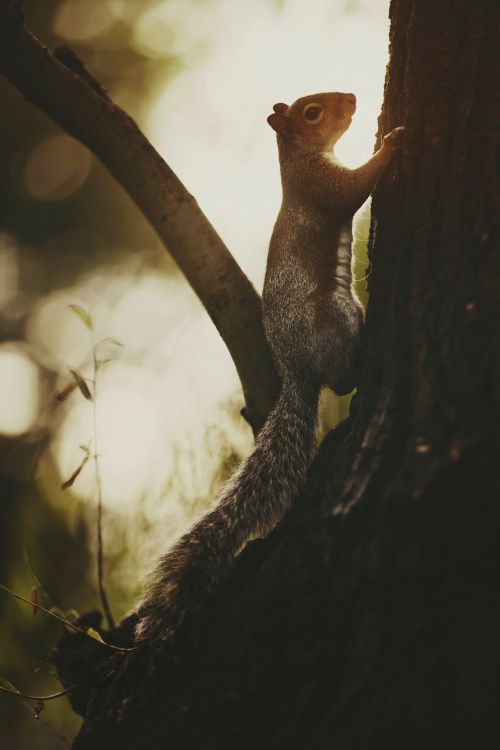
pixel 394 139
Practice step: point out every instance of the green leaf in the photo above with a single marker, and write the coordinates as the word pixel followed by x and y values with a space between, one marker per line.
pixel 71 480
pixel 94 634
pixel 72 615
pixel 82 385
pixel 6 684
pixel 83 315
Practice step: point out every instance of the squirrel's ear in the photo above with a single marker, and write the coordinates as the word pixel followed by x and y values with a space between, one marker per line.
pixel 278 122
pixel 280 108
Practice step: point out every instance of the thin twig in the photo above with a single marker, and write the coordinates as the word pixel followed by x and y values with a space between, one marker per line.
pixel 68 623
pixel 100 549
pixel 34 576
pixel 42 609
pixel 50 697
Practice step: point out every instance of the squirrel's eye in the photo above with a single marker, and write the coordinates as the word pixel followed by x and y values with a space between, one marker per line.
pixel 313 112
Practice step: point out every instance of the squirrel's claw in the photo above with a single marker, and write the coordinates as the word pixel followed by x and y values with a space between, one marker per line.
pixel 395 137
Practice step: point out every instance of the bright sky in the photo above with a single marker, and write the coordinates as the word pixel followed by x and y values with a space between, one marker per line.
pixel 210 123
pixel 162 413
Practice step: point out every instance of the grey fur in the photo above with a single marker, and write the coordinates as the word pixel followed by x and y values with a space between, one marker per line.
pixel 313 321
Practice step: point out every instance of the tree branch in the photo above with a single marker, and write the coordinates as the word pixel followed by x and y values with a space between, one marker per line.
pixel 78 104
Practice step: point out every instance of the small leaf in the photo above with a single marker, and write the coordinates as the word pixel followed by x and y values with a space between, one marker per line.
pixel 100 362
pixel 83 315
pixel 72 615
pixel 109 340
pixel 63 395
pixel 94 634
pixel 33 597
pixel 70 482
pixel 82 385
pixel 108 354
pixel 38 708
pixel 4 682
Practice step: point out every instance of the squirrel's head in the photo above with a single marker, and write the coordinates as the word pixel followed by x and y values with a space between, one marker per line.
pixel 318 120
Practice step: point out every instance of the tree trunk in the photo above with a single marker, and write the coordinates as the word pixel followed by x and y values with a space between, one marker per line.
pixel 371 617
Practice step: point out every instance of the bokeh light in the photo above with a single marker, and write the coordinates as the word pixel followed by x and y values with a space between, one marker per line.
pixel 80 21
pixel 56 168
pixel 19 389
pixel 127 434
pixel 166 383
pixel 162 29
pixel 57 336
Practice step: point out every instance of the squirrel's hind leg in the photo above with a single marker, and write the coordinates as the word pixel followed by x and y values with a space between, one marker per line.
pixel 338 346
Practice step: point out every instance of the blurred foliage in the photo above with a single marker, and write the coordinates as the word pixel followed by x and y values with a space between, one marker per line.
pixel 97 221
pixel 59 236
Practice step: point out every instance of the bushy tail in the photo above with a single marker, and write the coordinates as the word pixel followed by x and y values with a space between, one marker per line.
pixel 258 496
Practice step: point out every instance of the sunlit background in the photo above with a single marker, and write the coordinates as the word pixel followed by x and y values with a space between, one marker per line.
pixel 200 77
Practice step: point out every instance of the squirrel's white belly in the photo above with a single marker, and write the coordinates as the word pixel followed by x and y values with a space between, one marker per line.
pixel 343 270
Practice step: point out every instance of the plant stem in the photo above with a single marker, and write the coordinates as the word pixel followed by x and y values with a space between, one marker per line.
pixel 100 549
pixel 68 623
pixel 50 697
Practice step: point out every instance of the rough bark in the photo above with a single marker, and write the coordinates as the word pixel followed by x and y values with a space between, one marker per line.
pixel 370 618
pixel 62 88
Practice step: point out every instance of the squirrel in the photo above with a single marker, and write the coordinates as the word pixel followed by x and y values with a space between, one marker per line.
pixel 313 321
